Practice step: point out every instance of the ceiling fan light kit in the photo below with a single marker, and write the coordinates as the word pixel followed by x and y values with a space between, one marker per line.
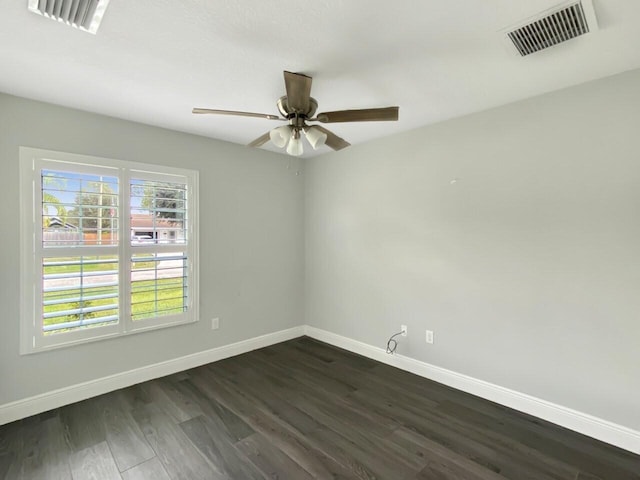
pixel 280 135
pixel 295 144
pixel 289 136
pixel 315 136
pixel 297 108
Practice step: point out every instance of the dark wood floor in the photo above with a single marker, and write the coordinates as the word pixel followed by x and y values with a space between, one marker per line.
pixel 299 410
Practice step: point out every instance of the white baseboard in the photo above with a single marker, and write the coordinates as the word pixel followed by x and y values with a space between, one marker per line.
pixel 64 396
pixel 589 425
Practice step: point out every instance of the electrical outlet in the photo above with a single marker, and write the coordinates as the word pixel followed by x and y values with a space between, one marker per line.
pixel 429 336
pixel 215 323
pixel 403 329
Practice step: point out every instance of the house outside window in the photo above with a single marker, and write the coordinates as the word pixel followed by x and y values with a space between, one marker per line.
pixel 109 248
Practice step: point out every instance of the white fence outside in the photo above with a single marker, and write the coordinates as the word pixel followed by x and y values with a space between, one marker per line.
pixel 61 237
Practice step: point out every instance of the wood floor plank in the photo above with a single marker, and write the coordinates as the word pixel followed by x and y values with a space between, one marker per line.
pixel 125 439
pixel 444 470
pixel 245 404
pixel 179 457
pixel 215 445
pixel 311 379
pixel 323 404
pixel 134 397
pixel 256 388
pixel 297 446
pixel 344 416
pixel 342 456
pixel 341 370
pixel 226 422
pixel 174 404
pixel 587 476
pixel 43 453
pixel 6 460
pixel 83 424
pixel 272 462
pixel 94 463
pixel 370 458
pixel 442 461
pixel 276 427
pixel 150 470
pixel 10 440
pixel 495 452
pixel 545 444
pixel 307 347
pixel 321 349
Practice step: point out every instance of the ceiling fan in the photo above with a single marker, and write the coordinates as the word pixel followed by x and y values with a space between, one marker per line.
pixel 297 108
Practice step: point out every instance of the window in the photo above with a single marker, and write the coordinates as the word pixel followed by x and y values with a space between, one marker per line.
pixel 109 248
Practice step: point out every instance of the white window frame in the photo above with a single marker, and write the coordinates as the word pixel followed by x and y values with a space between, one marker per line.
pixel 32 162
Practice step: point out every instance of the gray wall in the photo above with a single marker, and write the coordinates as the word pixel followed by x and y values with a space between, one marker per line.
pixel 251 243
pixel 527 268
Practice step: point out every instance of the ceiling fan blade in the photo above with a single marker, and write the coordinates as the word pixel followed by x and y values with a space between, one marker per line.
pixel 298 88
pixel 261 140
pixel 233 112
pixel 388 114
pixel 333 141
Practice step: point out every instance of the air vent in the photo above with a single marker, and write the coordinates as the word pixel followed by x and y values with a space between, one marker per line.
pixel 83 14
pixel 553 27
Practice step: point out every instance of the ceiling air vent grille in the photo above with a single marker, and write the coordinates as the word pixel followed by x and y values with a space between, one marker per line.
pixel 83 14
pixel 553 28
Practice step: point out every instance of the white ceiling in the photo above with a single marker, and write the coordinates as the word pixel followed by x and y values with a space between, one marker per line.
pixel 153 60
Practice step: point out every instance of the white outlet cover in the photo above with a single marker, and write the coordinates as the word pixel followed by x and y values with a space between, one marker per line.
pixel 215 323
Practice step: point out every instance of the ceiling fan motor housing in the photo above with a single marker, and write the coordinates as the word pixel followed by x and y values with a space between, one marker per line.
pixel 287 112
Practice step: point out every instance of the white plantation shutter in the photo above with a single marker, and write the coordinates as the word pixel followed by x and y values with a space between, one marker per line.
pixel 109 248
pixel 81 292
pixel 160 240
pixel 80 212
pixel 159 284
